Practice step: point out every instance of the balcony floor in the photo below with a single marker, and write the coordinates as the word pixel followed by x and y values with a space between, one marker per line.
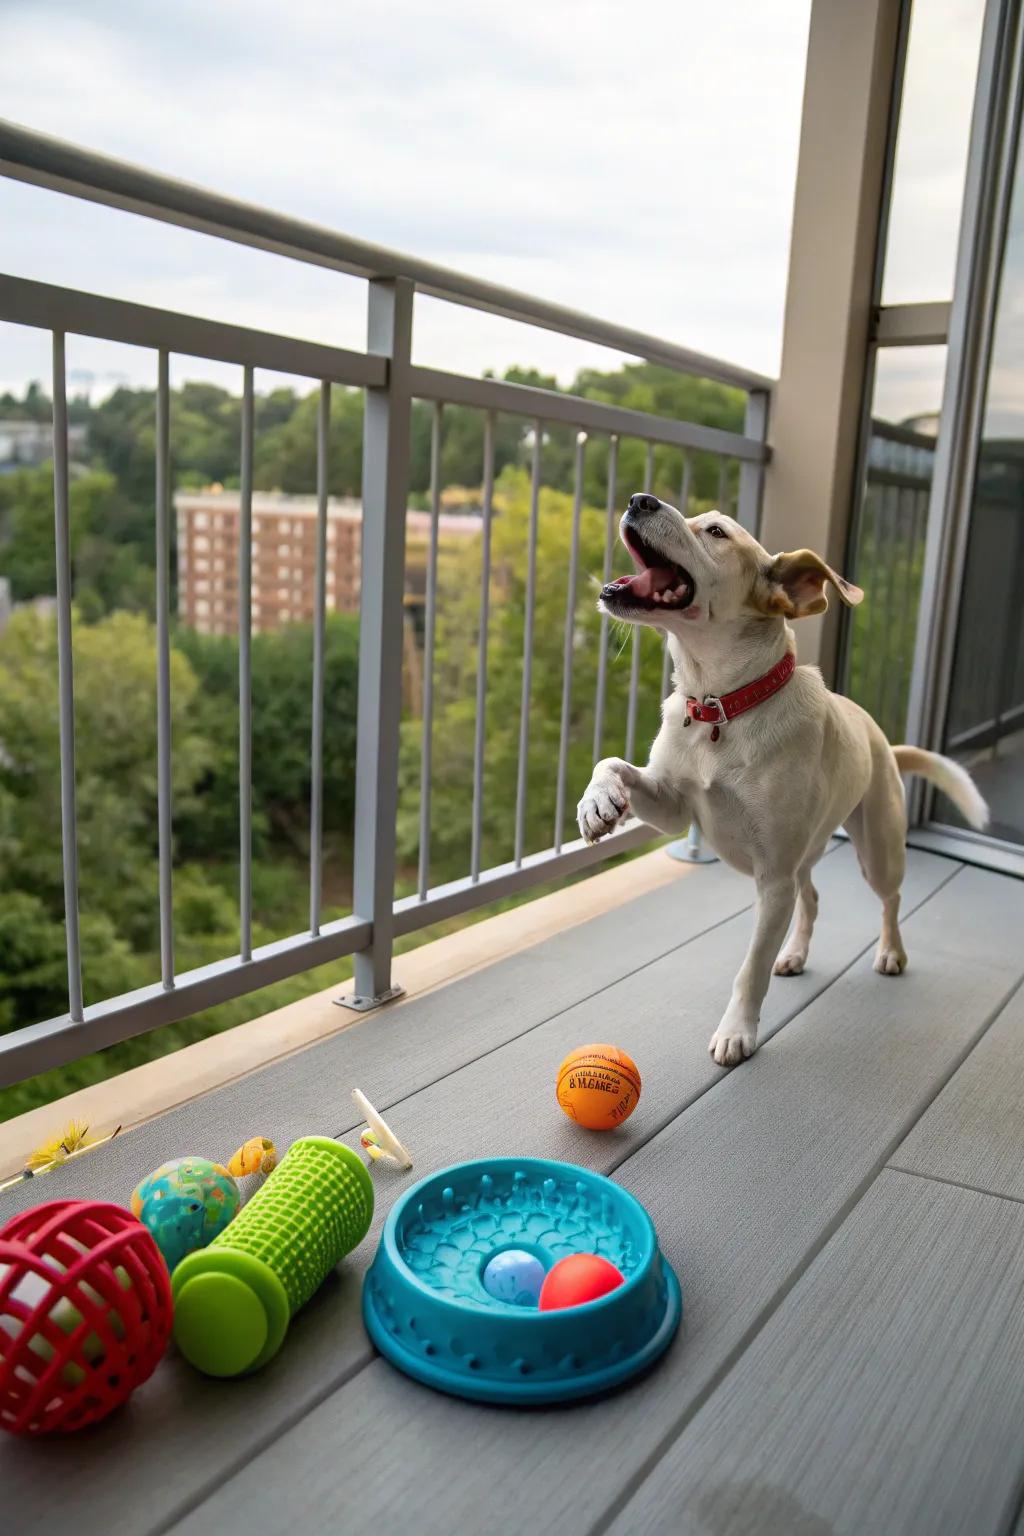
pixel 845 1212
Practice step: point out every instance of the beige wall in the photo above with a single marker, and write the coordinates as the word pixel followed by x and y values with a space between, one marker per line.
pixel 816 411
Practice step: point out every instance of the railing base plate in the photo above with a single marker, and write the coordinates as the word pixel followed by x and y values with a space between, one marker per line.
pixel 366 1004
pixel 688 852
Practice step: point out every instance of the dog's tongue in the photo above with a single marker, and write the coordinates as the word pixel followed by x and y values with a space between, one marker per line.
pixel 656 578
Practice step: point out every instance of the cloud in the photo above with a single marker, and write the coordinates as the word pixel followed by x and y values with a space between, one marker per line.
pixel 635 162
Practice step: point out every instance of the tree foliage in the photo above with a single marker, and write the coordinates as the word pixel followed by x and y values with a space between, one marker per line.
pixel 112 553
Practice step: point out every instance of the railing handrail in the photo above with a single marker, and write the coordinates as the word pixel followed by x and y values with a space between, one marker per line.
pixel 892 432
pixel 392 383
pixel 38 158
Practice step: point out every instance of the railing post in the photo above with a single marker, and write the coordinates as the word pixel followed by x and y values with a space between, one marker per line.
pixel 382 585
pixel 751 490
pixel 690 849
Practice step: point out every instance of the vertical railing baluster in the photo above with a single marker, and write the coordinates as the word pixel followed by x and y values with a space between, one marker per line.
pixel 381 633
pixel 522 777
pixel 723 485
pixel 911 596
pixel 871 583
pixel 634 662
pixel 684 489
pixel 751 484
pixel 890 592
pixel 606 576
pixel 163 667
pixel 430 622
pixel 888 660
pixel 65 679
pixel 480 731
pixel 245 672
pixel 684 504
pixel 908 607
pixel 567 643
pixel 316 777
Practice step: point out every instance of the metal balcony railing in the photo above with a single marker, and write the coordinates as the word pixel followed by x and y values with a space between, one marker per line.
pixel 391 382
pixel 888 563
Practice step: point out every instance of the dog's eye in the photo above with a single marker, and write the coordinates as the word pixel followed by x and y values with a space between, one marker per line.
pixel 716 532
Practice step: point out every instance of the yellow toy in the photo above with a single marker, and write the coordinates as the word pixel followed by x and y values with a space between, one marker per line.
pixel 258 1155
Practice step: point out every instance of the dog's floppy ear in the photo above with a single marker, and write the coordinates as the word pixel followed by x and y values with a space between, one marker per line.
pixel 793 586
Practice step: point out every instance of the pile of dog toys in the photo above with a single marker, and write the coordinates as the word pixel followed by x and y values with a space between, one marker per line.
pixel 504 1280
pixel 90 1294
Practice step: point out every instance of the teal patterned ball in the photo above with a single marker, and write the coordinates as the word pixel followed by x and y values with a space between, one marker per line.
pixel 185 1204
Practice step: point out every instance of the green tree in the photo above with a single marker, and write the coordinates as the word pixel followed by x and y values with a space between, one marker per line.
pixel 115 716
pixel 455 709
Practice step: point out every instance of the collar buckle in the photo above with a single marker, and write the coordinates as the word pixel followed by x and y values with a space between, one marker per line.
pixel 710 712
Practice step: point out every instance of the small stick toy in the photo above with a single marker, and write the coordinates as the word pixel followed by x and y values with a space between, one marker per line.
pixel 379 1140
pixel 56 1152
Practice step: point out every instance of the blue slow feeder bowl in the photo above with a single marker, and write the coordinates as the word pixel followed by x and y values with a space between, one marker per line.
pixel 426 1309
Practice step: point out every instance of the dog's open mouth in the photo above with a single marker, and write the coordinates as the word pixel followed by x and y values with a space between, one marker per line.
pixel 656 584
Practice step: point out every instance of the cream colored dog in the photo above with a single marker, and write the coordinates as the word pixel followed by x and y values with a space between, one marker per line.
pixel 770 786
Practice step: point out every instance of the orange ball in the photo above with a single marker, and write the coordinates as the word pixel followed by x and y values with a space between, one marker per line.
pixel 598 1086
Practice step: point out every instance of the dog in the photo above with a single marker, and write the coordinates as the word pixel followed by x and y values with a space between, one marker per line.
pixel 755 748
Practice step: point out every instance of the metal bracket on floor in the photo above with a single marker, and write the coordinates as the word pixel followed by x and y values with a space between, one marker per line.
pixel 365 1004
pixel 690 850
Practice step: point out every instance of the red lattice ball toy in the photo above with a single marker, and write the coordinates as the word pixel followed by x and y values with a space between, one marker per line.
pixel 85 1314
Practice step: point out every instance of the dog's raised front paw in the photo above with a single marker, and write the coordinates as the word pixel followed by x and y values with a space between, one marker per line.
pixel 732 1043
pixel 603 806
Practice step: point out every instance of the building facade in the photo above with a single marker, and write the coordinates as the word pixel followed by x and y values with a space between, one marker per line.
pixel 284 531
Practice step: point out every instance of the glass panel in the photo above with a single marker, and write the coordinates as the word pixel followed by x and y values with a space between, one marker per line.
pixel 931 150
pixel 985 722
pixel 889 554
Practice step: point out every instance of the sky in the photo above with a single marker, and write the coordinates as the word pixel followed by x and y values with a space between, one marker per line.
pixel 637 162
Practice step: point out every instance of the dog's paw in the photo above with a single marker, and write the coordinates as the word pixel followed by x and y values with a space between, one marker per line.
pixel 790 963
pixel 603 806
pixel 890 962
pixel 731 1044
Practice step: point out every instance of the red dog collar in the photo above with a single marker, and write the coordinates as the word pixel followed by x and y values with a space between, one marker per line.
pixel 716 711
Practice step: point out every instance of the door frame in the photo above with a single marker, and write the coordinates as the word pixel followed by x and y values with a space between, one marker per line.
pixel 988 187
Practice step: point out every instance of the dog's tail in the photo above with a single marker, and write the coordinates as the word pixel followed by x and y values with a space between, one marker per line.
pixel 948 776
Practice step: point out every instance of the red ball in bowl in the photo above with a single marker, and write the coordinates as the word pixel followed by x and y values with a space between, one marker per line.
pixel 577 1279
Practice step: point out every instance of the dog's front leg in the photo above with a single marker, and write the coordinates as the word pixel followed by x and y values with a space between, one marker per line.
pixel 617 789
pixel 736 1036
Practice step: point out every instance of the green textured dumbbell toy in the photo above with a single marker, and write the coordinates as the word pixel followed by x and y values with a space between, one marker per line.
pixel 234 1299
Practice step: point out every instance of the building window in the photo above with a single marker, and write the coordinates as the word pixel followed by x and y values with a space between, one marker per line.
pixel 200 520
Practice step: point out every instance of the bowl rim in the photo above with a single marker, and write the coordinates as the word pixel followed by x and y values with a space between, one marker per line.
pixel 389 1242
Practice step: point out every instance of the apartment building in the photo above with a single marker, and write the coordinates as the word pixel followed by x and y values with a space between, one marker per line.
pixel 283 557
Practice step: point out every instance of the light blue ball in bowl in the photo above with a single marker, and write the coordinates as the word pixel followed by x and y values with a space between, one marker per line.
pixel 515 1276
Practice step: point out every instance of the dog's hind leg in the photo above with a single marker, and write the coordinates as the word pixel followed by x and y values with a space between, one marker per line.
pixel 877 829
pixel 794 952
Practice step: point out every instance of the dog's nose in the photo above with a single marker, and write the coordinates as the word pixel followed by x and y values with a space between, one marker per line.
pixel 641 502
